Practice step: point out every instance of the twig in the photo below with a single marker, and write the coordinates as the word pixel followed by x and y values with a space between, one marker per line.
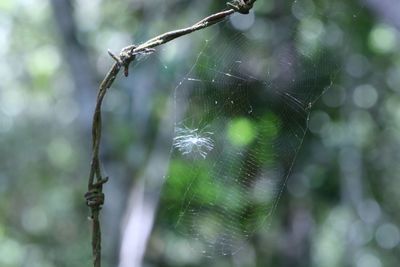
pixel 94 196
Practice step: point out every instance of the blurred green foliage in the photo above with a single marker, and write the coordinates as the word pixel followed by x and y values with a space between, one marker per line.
pixel 340 204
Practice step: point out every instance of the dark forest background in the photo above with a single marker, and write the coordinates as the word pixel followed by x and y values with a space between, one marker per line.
pixel 340 206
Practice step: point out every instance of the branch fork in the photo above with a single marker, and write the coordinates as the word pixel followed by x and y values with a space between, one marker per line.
pixel 128 55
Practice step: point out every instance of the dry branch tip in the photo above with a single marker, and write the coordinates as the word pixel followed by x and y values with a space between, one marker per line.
pixel 117 59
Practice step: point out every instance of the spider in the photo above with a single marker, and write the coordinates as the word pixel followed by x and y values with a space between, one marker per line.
pixel 193 141
pixel 241 6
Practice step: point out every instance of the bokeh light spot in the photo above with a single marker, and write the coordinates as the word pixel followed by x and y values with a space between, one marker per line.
pixel 11 252
pixel 387 235
pixel 334 97
pixel 310 32
pixel 242 22
pixel 318 120
pixel 365 259
pixel 34 220
pixel 59 152
pixel 303 9
pixel 241 132
pixel 383 39
pixel 365 96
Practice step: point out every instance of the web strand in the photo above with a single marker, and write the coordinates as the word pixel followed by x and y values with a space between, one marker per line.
pixel 236 141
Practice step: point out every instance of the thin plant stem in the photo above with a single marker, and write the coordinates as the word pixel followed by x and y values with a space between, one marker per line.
pixel 94 196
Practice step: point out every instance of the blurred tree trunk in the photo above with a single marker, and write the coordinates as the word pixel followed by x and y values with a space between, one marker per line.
pixel 144 197
pixel 85 82
pixel 297 241
pixel 76 55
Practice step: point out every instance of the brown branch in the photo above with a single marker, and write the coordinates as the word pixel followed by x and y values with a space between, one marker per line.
pixel 94 196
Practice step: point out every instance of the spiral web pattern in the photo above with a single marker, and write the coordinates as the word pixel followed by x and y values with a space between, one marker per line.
pixel 241 117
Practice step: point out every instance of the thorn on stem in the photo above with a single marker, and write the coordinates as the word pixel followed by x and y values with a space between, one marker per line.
pixel 100 182
pixel 117 59
pixel 126 70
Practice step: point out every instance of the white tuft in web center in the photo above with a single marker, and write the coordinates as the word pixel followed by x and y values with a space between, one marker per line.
pixel 193 142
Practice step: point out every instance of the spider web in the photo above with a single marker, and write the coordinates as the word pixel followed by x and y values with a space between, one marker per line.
pixel 241 114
